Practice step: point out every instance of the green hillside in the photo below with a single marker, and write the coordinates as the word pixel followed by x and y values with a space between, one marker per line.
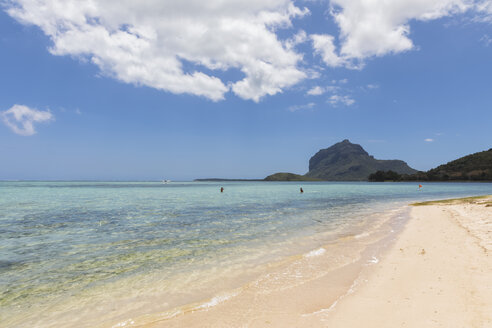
pixel 474 167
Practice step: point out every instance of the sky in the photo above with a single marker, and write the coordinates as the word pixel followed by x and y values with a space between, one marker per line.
pixel 151 90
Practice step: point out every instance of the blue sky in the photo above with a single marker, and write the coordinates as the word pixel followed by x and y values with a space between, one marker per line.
pixel 168 92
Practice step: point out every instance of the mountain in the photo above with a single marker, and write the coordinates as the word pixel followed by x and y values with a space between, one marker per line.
pixel 475 167
pixel 345 161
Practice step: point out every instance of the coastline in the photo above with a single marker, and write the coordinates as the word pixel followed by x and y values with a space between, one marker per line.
pixel 435 272
pixel 294 288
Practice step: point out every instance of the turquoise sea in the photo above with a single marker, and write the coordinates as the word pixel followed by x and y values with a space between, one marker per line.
pixel 98 253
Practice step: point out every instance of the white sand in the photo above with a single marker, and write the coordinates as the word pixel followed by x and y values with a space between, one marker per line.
pixel 439 274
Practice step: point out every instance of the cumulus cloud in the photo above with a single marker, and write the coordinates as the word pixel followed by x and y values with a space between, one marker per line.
pixel 185 46
pixel 378 28
pixel 324 46
pixel 176 46
pixel 20 119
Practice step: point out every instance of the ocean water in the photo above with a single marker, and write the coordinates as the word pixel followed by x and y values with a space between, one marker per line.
pixel 99 253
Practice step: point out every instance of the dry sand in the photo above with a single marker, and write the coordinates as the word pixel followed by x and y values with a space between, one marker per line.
pixel 438 273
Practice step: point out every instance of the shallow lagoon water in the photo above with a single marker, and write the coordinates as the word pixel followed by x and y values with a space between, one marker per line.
pixel 82 253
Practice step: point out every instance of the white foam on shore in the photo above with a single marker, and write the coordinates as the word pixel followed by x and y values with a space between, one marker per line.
pixel 181 311
pixel 216 301
pixel 124 323
pixel 362 235
pixel 316 252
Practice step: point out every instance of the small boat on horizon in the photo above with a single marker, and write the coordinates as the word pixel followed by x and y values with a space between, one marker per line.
pixel 166 181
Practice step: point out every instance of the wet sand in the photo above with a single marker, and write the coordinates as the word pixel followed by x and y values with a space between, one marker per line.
pixel 436 273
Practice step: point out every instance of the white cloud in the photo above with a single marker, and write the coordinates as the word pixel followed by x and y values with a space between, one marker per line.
pixel 312 74
pixel 336 100
pixel 21 119
pixel 429 140
pixel 185 46
pixel 372 86
pixel 297 39
pixel 324 46
pixel 176 46
pixel 376 28
pixel 301 107
pixel 372 28
pixel 316 91
pixel 484 10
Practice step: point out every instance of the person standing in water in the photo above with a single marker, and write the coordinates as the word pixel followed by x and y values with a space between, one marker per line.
pixel 221 189
pixel 302 190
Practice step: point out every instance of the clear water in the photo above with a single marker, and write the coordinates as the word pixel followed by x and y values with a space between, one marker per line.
pixel 102 250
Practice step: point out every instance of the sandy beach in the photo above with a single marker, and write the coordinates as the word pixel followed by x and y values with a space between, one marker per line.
pixel 436 273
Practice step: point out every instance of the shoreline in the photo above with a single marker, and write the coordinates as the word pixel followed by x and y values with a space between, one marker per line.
pixel 432 273
pixel 289 289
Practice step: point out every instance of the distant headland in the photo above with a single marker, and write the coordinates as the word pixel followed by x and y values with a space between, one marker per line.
pixel 345 161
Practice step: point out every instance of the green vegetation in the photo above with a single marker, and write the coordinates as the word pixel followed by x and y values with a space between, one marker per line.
pixel 285 176
pixel 474 167
pixel 483 200
pixel 381 176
